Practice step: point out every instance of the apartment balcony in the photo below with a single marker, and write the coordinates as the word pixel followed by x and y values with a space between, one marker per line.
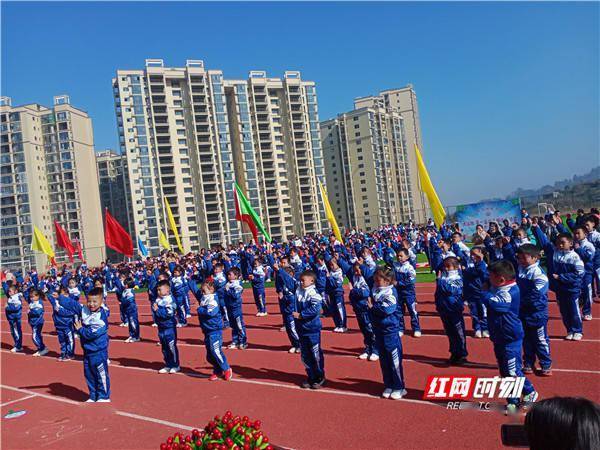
pixel 267 156
pixel 167 191
pixel 199 109
pixel 205 150
pixel 162 130
pixel 164 150
pixel 163 140
pixel 265 137
pixel 210 198
pixel 168 160
pixel 166 170
pixel 203 139
pixel 269 174
pixel 197 89
pixel 296 108
pixel 274 220
pixel 263 118
pixel 202 129
pixel 159 109
pixel 167 181
pixel 158 100
pixel 261 108
pixel 157 89
pixel 199 99
pixel 156 79
pixel 201 119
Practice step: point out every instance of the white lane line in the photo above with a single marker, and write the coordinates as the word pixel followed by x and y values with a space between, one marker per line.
pixel 120 413
pixel 269 384
pixel 18 400
pixel 249 349
pixel 153 420
pixel 39 394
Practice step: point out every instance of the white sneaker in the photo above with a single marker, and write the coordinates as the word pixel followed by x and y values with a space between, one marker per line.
pixel 478 334
pixel 258 314
pixel 397 395
pixel 89 400
pixel 43 352
pixel 128 340
pixel 36 354
pixel 374 357
pixel 175 370
pixel 232 346
pixel 587 317
pixel 531 397
pixel 343 330
pixel 108 361
pixel 417 334
pixel 134 339
pixel 103 400
pixel 486 334
pixel 569 337
pixel 154 325
pixel 336 330
pixel 164 370
pixel 401 333
pixel 188 316
pixel 292 350
pixel 577 336
pixel 158 344
pixel 123 324
pixel 178 325
pixel 16 350
pixel 282 328
pixel 363 356
pixel 387 393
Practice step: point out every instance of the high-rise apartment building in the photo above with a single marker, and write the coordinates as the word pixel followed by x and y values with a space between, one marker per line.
pixel 366 165
pixel 48 171
pixel 114 190
pixel 404 102
pixel 188 134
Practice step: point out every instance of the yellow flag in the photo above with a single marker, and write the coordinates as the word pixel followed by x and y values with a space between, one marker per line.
pixel 164 242
pixel 437 209
pixel 172 225
pixel 40 243
pixel 329 214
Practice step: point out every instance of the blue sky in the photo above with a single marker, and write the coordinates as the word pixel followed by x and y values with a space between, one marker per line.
pixel 508 93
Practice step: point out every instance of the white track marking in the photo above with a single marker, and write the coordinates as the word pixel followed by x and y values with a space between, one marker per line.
pixel 153 420
pixel 39 394
pixel 183 344
pixel 18 400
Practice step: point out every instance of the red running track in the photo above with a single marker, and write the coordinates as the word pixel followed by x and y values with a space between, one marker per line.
pixel 147 406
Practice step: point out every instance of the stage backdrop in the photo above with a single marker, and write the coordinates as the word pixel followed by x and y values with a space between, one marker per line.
pixel 468 216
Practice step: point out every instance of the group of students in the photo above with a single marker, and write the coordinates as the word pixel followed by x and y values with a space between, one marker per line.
pixel 508 299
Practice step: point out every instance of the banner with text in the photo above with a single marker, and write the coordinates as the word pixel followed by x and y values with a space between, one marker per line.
pixel 469 216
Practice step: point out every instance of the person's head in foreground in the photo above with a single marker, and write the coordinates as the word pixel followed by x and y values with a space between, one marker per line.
pixel 563 423
pixel 95 299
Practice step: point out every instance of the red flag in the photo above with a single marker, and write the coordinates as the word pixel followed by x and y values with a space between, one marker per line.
pixel 79 250
pixel 116 237
pixel 63 241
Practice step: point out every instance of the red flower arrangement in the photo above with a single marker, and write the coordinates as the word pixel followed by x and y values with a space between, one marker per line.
pixel 226 433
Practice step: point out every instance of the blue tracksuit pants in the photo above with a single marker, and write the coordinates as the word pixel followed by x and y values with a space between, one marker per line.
pixel 17 334
pixel 510 365
pixel 366 328
pixel 311 354
pixel 238 327
pixel 36 335
pixel 180 313
pixel 409 303
pixel 214 352
pixel 568 303
pixel 223 310
pixel 66 340
pixel 131 314
pixel 260 300
pixel 337 309
pixel 536 344
pixel 290 325
pixel 478 313
pixel 95 369
pixel 390 359
pixel 454 326
pixel 586 294
pixel 122 313
pixel 168 341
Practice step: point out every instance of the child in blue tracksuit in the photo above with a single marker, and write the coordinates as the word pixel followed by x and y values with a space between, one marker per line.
pixel 35 317
pixel 335 292
pixel 308 324
pixel 506 331
pixel 179 290
pixel 449 305
pixel 533 310
pixel 406 277
pixel 65 311
pixel 258 288
pixel 219 282
pixel 286 286
pixel 164 310
pixel 359 299
pixel 321 272
pixel 565 272
pixel 93 332
pixel 129 307
pixel 211 322
pixel 233 302
pixel 13 310
pixel 587 252
pixel 590 223
pixel 382 310
pixel 474 275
